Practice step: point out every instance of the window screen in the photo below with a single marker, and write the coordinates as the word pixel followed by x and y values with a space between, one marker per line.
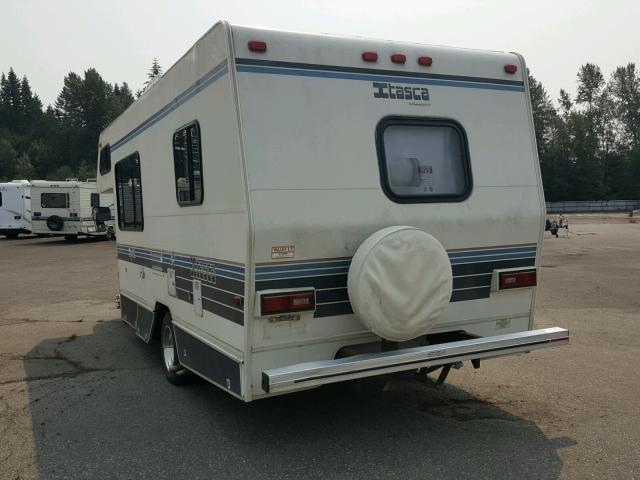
pixel 129 193
pixel 54 200
pixel 423 160
pixel 187 161
pixel 105 160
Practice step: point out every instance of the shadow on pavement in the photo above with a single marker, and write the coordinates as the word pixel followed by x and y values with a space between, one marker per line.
pixel 101 408
pixel 21 237
pixel 54 241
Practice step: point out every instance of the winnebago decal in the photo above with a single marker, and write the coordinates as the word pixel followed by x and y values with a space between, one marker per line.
pixel 399 92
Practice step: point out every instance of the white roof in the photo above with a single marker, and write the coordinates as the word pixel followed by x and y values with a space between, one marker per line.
pixel 62 183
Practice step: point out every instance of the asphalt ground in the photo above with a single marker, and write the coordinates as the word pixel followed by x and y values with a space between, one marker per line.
pixel 82 397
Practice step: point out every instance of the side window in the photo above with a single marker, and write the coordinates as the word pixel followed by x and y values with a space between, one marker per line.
pixel 129 193
pixel 423 160
pixel 95 200
pixel 0 199
pixel 105 159
pixel 187 162
pixel 54 200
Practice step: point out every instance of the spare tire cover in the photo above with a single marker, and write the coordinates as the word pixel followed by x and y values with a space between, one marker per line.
pixel 55 223
pixel 400 282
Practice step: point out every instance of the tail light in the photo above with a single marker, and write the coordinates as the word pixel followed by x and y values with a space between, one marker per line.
pixel 283 302
pixel 517 279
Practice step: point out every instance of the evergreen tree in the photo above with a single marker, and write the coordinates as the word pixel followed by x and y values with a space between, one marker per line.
pixel 589 170
pixel 544 115
pixel 625 88
pixel 7 158
pixel 154 72
pixel 10 100
pixel 30 104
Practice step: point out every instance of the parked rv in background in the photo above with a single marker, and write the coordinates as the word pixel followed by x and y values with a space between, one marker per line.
pixel 15 208
pixel 66 209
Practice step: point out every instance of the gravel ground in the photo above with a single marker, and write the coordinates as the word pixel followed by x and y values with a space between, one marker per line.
pixel 82 397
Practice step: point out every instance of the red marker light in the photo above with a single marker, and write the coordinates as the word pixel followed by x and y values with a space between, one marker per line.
pixel 370 56
pixel 426 61
pixel 511 69
pixel 257 46
pixel 398 58
pixel 525 278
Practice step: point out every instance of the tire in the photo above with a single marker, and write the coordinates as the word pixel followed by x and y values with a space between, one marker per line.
pixel 55 223
pixel 11 235
pixel 399 282
pixel 110 234
pixel 71 238
pixel 175 373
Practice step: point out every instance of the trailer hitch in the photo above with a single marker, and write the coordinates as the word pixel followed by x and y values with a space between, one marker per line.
pixel 421 374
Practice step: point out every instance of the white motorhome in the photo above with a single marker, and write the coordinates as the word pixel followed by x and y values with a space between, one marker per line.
pixel 15 208
pixel 65 208
pixel 295 210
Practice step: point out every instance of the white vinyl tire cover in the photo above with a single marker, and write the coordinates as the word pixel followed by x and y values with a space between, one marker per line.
pixel 400 282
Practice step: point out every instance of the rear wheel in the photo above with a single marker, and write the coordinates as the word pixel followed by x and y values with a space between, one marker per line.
pixel 11 235
pixel 174 372
pixel 71 238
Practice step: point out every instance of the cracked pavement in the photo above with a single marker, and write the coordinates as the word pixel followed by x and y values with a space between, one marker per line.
pixel 82 397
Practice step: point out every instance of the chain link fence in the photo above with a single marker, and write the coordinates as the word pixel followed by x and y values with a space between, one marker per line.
pixel 593 206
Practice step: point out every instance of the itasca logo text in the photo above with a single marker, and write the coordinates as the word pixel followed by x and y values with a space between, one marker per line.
pixel 398 92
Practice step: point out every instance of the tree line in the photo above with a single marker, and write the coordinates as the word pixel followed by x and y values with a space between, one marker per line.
pixel 589 145
pixel 59 141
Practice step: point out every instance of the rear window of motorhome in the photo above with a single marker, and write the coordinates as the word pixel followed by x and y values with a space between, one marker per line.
pixel 54 200
pixel 187 162
pixel 105 159
pixel 423 160
pixel 129 193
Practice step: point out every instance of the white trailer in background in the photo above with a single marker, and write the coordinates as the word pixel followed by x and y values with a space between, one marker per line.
pixel 15 208
pixel 65 208
pixel 295 210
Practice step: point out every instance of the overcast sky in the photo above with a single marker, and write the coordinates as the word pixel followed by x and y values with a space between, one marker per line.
pixel 46 39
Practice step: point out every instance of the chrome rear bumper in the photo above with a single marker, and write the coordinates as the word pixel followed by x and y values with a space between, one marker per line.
pixel 309 374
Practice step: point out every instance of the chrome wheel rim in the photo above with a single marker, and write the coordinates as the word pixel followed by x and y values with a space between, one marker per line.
pixel 168 349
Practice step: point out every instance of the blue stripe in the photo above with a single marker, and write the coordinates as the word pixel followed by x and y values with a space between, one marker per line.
pixel 234 272
pixel 216 264
pixel 376 78
pixel 302 266
pixel 498 251
pixel 463 256
pixel 233 276
pixel 145 255
pixel 208 79
pixel 491 258
pixel 303 273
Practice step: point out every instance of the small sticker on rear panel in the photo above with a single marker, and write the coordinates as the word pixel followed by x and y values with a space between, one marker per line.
pixel 287 251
